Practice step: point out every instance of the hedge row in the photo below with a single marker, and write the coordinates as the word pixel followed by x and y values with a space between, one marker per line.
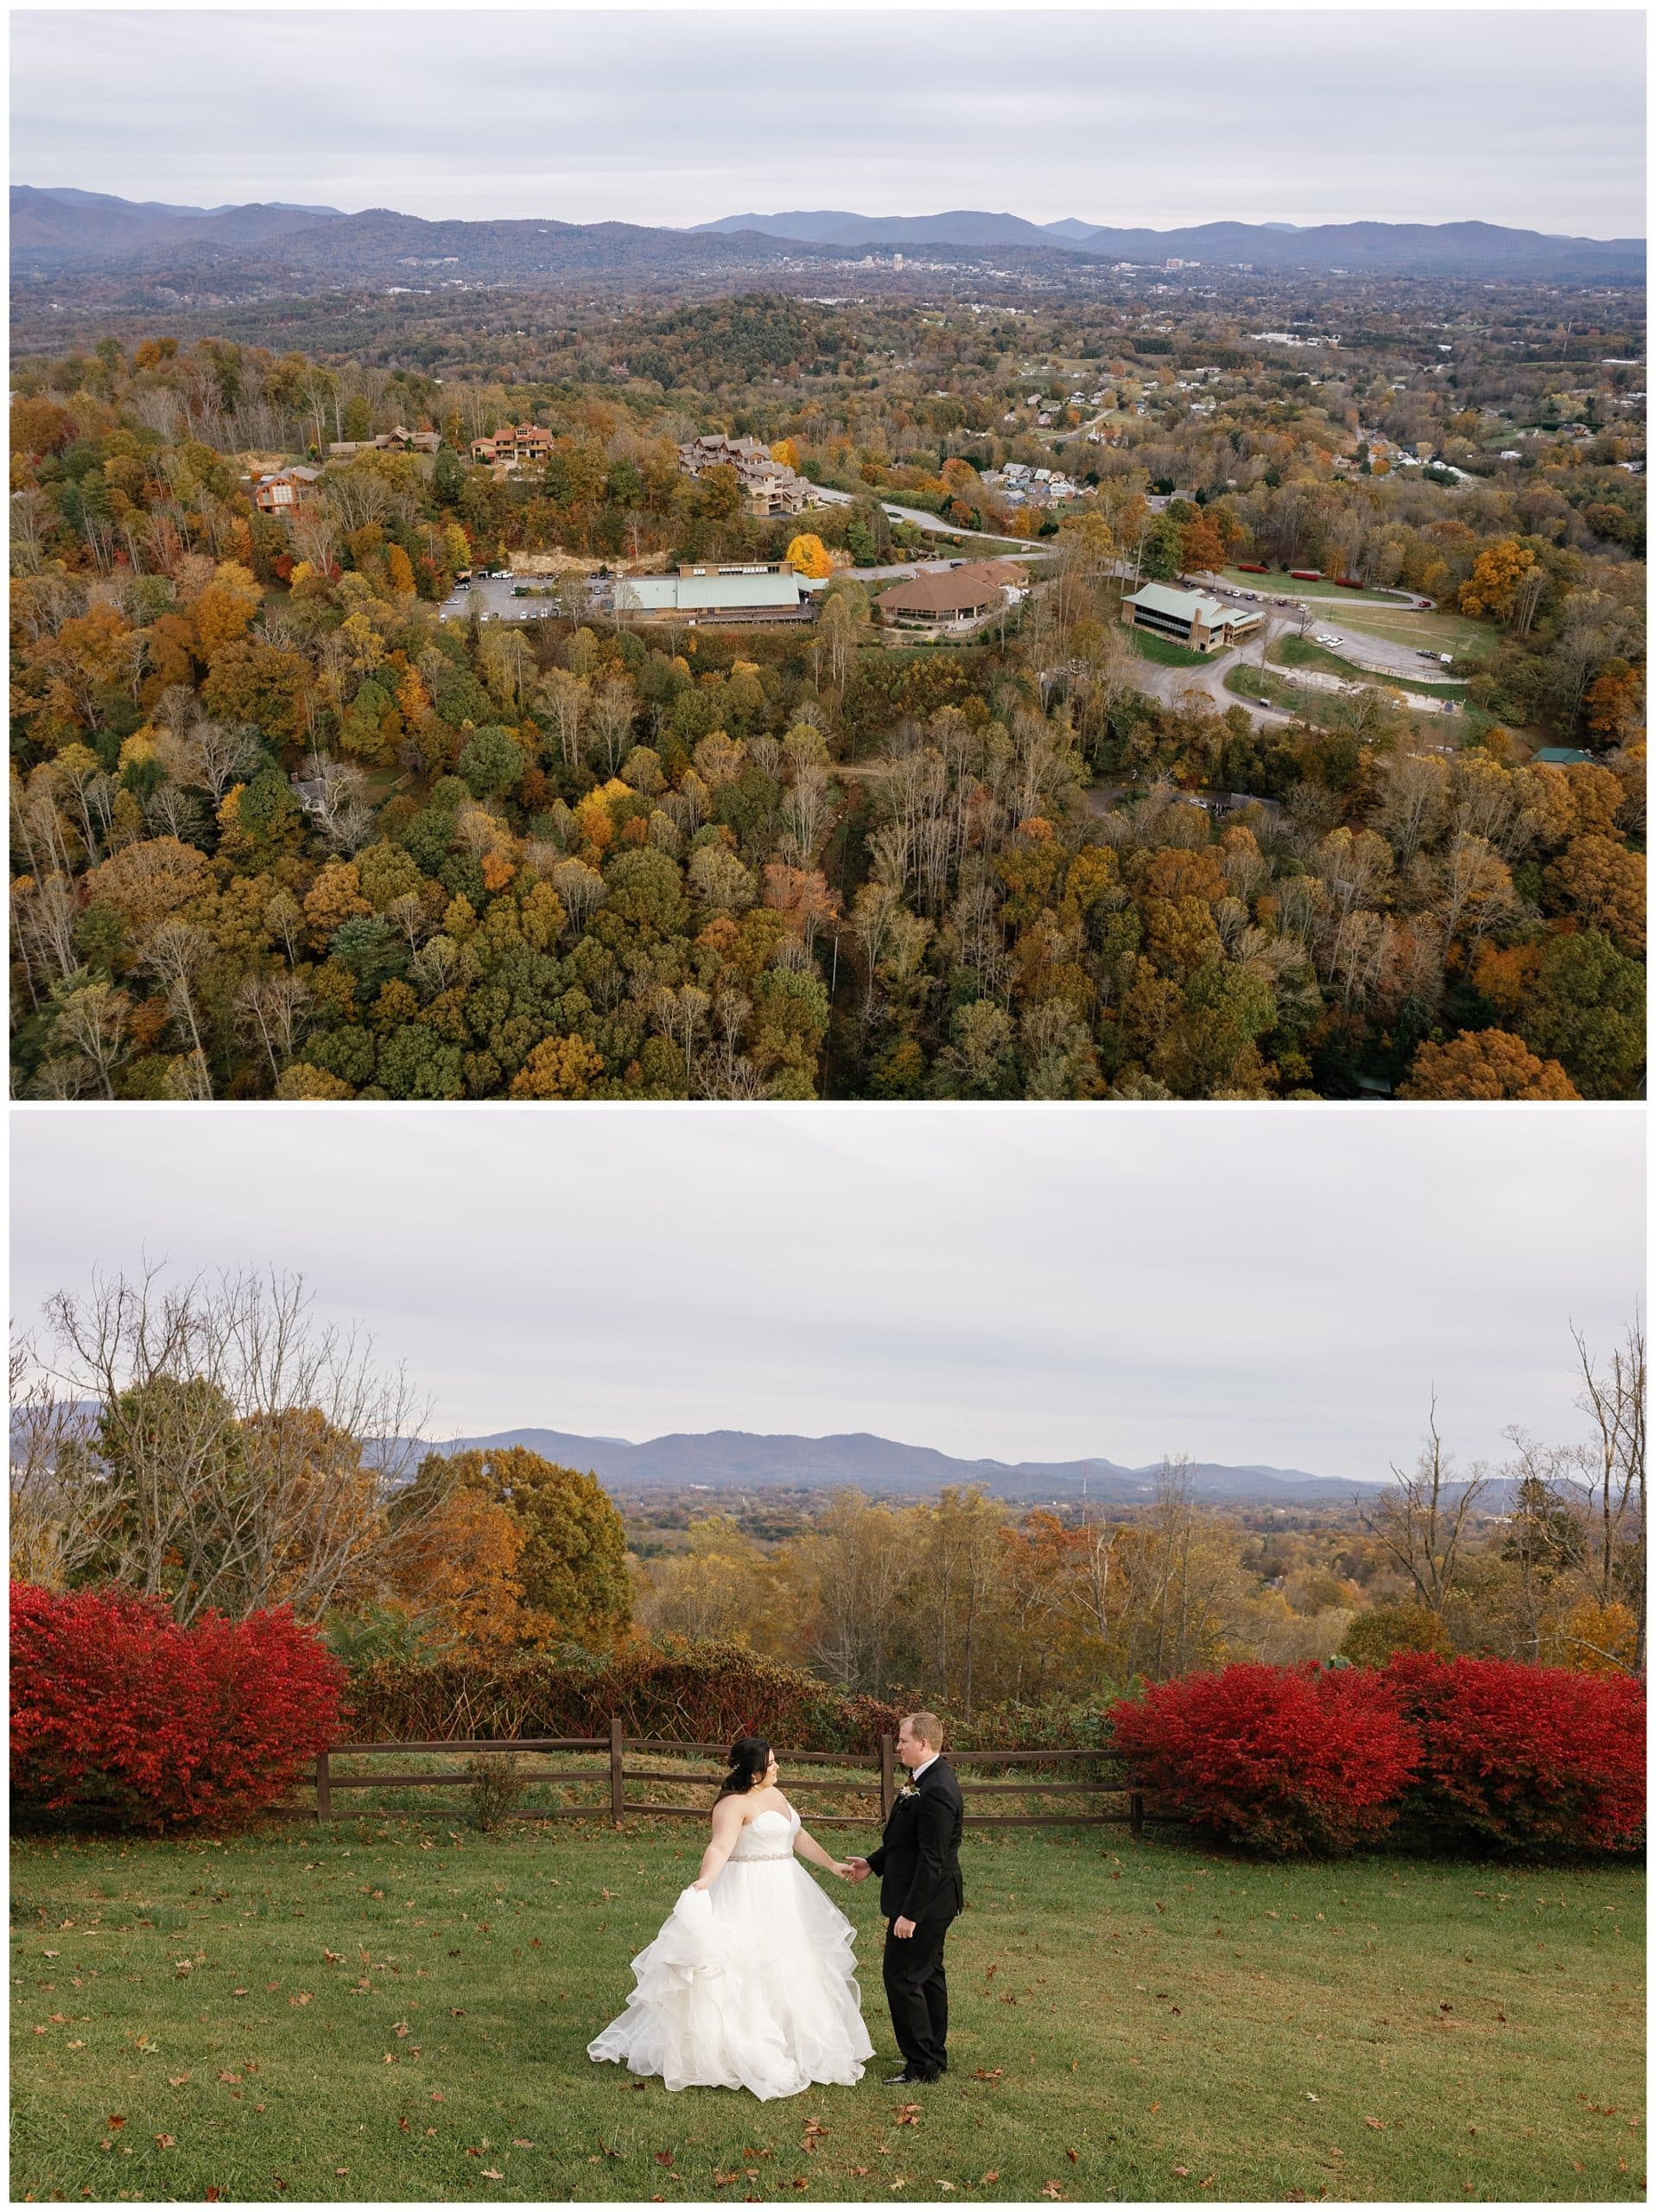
pixel 694 1693
pixel 1436 1754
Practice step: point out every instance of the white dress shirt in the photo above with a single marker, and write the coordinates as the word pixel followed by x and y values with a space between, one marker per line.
pixel 915 1772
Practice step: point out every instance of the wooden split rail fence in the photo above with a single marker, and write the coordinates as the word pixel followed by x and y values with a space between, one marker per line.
pixel 617 1773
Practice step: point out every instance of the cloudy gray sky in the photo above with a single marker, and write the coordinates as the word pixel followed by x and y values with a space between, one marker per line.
pixel 1279 1286
pixel 1529 117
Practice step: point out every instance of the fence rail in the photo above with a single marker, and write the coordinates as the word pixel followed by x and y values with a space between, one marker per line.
pixel 880 1789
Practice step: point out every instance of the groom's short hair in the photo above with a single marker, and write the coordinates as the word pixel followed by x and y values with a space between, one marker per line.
pixel 926 1728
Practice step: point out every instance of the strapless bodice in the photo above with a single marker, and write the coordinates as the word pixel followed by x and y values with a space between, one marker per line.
pixel 767 1835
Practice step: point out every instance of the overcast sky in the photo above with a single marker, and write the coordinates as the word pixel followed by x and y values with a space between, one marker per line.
pixel 1533 117
pixel 1279 1288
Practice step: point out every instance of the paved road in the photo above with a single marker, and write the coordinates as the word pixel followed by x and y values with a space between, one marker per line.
pixel 923 521
pixel 1169 685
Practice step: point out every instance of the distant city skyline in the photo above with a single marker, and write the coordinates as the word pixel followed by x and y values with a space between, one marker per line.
pixel 1284 1288
pixel 1530 118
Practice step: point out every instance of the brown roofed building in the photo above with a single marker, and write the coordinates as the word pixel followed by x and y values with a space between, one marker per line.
pixel 517 442
pixel 769 487
pixel 401 440
pixel 953 598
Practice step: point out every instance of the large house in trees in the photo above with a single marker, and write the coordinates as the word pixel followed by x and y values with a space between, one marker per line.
pixel 282 490
pixel 769 487
pixel 511 448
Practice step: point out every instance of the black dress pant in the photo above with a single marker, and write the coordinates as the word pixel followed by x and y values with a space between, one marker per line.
pixel 918 1993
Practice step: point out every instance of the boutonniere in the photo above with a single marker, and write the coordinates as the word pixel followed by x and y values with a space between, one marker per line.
pixel 909 1790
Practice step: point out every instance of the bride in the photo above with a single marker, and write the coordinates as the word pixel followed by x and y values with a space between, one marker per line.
pixel 752 1983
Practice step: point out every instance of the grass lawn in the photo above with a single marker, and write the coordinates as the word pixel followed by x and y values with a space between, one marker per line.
pixel 1440 633
pixel 1149 646
pixel 398 2009
pixel 1292 588
pixel 1291 651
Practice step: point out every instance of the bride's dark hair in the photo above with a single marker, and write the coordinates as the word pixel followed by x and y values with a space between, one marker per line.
pixel 749 1757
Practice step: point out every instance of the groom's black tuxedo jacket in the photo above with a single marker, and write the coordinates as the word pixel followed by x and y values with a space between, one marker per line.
pixel 919 1860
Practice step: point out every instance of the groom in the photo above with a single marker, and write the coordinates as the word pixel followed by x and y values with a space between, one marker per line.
pixel 919 1865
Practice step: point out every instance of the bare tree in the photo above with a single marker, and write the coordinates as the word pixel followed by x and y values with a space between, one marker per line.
pixel 1422 1524
pixel 235 1453
pixel 1611 1465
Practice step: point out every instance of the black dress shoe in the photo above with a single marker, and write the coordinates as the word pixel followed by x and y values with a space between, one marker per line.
pixel 905 2080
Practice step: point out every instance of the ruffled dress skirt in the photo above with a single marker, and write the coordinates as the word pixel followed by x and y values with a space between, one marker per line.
pixel 750 1985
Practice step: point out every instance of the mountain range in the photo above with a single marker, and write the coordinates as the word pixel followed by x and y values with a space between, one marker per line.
pixel 280 248
pixel 1415 249
pixel 735 1459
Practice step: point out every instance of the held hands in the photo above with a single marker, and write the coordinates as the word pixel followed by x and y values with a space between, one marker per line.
pixel 855 1870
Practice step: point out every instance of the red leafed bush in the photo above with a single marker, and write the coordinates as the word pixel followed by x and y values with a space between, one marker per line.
pixel 1521 1757
pixel 118 1712
pixel 1285 1759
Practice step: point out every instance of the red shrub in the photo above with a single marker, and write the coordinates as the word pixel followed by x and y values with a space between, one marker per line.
pixel 1283 1758
pixel 1524 1757
pixel 116 1710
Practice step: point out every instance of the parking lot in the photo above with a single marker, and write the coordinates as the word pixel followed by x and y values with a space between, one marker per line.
pixel 493 598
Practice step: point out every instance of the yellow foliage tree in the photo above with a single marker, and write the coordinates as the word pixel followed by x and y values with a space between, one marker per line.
pixel 786 453
pixel 1496 577
pixel 808 556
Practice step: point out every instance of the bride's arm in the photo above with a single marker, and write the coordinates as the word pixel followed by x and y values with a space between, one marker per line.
pixel 727 1827
pixel 807 1846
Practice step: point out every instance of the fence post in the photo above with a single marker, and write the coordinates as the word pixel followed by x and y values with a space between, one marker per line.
pixel 886 1755
pixel 618 1747
pixel 324 1795
pixel 1135 1812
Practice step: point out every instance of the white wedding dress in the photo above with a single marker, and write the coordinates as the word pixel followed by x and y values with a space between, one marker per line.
pixel 752 1982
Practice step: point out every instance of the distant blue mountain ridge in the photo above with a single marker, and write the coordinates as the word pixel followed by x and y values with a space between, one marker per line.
pixel 736 1459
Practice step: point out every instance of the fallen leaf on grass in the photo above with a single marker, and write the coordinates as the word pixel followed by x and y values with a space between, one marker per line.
pixel 664 2158
pixel 521 2143
pixel 303 1998
pixel 994 2175
pixel 909 2116
pixel 1073 2156
pixel 76 2043
pixel 115 2120
pixel 492 2173
pixel 1368 2122
pixel 1050 2188
pixel 989 2074
pixel 1182 2172
pixel 165 2142
pixel 176 2081
pixel 238 1992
